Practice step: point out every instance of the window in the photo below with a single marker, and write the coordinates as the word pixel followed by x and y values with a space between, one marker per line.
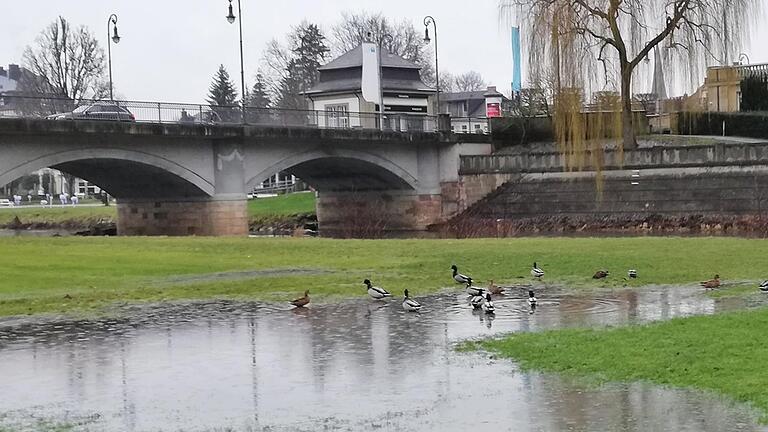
pixel 337 116
pixel 464 128
pixel 477 128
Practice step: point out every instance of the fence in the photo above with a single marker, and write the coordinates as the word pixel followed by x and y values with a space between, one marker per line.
pixel 181 113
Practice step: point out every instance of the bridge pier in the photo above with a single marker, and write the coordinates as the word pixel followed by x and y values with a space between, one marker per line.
pixel 376 214
pixel 183 217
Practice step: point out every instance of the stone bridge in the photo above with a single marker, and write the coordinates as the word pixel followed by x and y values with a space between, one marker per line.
pixel 179 179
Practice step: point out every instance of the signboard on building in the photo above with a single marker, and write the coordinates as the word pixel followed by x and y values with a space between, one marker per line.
pixel 493 109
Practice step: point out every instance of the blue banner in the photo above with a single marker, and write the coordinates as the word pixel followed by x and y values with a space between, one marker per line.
pixel 517 68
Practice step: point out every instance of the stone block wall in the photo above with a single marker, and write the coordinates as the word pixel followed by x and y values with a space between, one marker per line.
pixel 182 218
pixel 376 214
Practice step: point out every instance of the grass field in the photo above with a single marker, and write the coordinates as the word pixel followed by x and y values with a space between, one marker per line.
pixel 261 209
pixel 283 205
pixel 725 353
pixel 95 272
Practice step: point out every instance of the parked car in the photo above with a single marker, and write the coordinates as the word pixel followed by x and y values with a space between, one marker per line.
pixel 96 111
pixel 200 117
pixel 6 203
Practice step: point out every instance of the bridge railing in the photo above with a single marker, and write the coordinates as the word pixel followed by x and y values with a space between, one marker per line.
pixel 55 108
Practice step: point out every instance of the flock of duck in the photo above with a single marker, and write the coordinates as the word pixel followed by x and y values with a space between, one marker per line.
pixel 480 298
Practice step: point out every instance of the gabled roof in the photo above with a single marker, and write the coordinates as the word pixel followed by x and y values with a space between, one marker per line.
pixel 354 58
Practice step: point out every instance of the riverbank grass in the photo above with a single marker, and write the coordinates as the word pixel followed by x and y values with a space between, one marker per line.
pixel 726 354
pixel 260 210
pixel 72 274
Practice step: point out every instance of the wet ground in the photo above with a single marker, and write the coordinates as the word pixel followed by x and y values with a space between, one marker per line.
pixel 361 365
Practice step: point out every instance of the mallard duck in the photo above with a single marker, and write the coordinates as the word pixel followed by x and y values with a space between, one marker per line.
pixel 409 304
pixel 488 306
pixel 764 286
pixel 495 289
pixel 460 278
pixel 302 301
pixel 376 292
pixel 632 274
pixel 477 301
pixel 537 272
pixel 475 291
pixel 532 301
pixel 602 274
pixel 712 283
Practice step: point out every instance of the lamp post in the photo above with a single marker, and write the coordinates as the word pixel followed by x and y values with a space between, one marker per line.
pixel 744 56
pixel 427 21
pixel 111 22
pixel 381 77
pixel 231 18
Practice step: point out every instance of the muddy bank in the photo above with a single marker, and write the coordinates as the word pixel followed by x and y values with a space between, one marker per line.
pixel 294 225
pixel 751 226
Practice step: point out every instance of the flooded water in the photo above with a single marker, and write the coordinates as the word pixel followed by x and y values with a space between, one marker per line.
pixel 361 365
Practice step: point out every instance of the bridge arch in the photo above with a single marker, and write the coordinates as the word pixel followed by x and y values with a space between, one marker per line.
pixel 124 173
pixel 340 170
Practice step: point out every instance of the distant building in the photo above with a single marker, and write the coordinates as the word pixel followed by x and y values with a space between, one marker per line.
pixel 9 84
pixel 338 94
pixel 469 110
pixel 722 89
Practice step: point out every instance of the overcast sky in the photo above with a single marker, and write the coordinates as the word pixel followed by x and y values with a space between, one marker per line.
pixel 170 49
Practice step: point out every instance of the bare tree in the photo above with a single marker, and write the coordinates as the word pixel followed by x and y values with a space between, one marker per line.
pixel 407 41
pixel 588 41
pixel 469 81
pixel 66 62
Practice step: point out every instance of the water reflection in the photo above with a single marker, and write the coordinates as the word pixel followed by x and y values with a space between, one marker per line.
pixel 355 366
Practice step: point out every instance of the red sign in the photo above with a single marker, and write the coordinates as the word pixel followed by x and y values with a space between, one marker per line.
pixel 493 110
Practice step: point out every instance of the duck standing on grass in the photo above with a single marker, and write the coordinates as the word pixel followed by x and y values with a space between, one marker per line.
pixel 712 283
pixel 409 304
pixel 537 272
pixel 488 306
pixel 495 289
pixel 460 278
pixel 602 274
pixel 301 301
pixel 376 292
pixel 764 287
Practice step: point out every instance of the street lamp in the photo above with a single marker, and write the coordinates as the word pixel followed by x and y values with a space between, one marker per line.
pixel 743 56
pixel 111 21
pixel 231 18
pixel 427 21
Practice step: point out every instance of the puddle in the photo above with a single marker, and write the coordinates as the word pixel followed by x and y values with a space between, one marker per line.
pixel 360 365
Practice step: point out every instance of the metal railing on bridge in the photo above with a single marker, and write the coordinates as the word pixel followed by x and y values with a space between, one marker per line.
pixel 204 114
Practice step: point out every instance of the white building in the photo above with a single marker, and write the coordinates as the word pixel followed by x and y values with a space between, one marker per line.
pixel 470 111
pixel 338 94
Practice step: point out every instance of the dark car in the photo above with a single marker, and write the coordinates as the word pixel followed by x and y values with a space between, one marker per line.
pixel 96 111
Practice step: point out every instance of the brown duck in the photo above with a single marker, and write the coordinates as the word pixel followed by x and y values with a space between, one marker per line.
pixel 711 284
pixel 495 289
pixel 602 274
pixel 302 301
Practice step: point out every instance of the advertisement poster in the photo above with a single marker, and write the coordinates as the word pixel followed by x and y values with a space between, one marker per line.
pixel 493 110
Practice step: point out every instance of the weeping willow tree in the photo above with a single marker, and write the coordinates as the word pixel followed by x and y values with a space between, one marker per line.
pixel 587 46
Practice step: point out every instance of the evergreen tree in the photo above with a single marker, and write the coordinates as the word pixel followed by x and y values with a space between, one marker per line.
pixel 259 98
pixel 257 103
pixel 222 96
pixel 309 53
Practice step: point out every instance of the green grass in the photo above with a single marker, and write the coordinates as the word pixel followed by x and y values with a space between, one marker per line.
pixel 259 210
pixel 96 272
pixel 283 205
pixel 726 354
pixel 57 215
